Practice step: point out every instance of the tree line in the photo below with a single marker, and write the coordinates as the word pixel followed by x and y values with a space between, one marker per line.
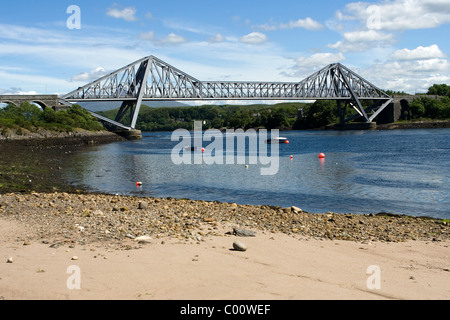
pixel 31 117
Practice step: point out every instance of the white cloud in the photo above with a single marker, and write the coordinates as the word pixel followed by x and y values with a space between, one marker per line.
pixel 368 36
pixel 150 35
pixel 128 14
pixel 399 14
pixel 91 75
pixel 172 39
pixel 16 91
pixel 217 38
pixel 319 60
pixel 419 53
pixel 410 76
pixel 344 46
pixel 304 66
pixel 254 38
pixel 308 24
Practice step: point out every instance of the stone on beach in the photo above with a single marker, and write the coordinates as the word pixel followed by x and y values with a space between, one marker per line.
pixel 143 239
pixel 243 233
pixel 240 246
pixel 296 209
pixel 143 205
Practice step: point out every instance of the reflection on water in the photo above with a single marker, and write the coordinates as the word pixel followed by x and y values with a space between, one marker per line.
pixel 404 172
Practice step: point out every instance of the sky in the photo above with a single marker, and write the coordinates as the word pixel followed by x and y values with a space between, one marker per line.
pixel 50 47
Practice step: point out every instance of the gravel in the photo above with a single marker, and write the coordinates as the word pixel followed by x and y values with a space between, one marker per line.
pixel 71 219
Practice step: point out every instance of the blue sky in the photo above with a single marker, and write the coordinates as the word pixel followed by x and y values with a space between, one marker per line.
pixel 395 44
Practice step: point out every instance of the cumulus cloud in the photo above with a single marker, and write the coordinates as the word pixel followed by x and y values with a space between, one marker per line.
pixel 172 39
pixel 419 53
pixel 319 60
pixel 91 75
pixel 304 66
pixel 368 36
pixel 128 14
pixel 410 76
pixel 399 14
pixel 308 24
pixel 254 38
pixel 217 38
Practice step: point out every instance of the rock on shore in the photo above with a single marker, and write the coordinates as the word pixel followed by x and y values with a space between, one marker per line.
pixel 71 219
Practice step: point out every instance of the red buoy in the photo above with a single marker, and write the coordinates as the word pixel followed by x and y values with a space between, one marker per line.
pixel 287 142
pixel 322 156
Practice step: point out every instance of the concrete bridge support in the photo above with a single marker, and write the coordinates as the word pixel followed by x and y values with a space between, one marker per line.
pixel 399 109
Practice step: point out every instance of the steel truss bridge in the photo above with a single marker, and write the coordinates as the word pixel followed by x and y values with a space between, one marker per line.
pixel 151 79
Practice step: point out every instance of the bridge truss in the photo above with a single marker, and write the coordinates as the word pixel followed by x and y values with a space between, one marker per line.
pixel 151 79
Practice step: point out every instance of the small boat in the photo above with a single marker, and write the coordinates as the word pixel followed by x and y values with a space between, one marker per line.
pixel 278 140
pixel 190 148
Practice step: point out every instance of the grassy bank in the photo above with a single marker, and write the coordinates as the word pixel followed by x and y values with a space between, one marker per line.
pixel 30 118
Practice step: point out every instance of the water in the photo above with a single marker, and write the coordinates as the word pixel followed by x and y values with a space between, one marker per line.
pixel 400 171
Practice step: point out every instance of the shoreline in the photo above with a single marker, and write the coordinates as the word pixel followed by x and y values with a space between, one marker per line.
pixel 47 138
pixel 115 218
pixel 166 249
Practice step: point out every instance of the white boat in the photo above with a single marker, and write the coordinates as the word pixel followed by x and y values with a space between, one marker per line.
pixel 278 140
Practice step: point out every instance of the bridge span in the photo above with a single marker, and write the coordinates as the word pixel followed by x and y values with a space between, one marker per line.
pixel 151 79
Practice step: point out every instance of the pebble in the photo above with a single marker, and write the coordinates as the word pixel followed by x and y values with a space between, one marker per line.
pixel 239 246
pixel 143 205
pixel 296 209
pixel 74 258
pixel 243 233
pixel 10 260
pixel 143 240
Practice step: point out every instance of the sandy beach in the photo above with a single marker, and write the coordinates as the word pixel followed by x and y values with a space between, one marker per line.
pixel 40 259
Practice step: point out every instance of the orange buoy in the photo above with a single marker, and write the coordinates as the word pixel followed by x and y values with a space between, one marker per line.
pixel 287 142
pixel 322 156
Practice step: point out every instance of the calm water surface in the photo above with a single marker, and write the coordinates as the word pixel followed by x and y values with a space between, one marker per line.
pixel 400 171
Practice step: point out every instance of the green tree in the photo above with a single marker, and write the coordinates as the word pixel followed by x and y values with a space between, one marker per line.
pixel 440 90
pixel 417 108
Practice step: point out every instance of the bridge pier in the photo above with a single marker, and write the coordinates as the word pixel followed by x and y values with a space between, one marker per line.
pixel 129 134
